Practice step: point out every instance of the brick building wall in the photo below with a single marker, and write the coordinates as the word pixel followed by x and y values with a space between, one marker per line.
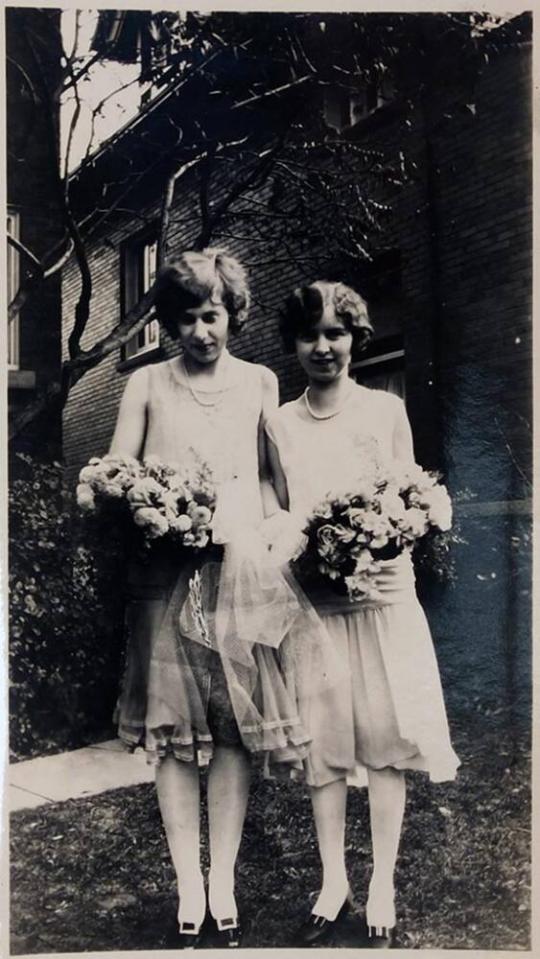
pixel 463 301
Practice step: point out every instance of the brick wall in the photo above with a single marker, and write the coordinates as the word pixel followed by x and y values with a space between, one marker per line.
pixel 467 329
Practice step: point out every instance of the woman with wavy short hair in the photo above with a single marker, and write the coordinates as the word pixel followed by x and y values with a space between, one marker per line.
pixel 190 702
pixel 390 715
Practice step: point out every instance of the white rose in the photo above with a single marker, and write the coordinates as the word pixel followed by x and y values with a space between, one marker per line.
pixel 143 491
pixel 440 508
pixel 356 517
pixel 170 501
pixel 201 540
pixel 392 504
pixel 85 497
pixel 369 522
pixel 87 474
pixel 200 515
pixel 182 524
pixel 112 490
pixel 151 520
pixel 379 541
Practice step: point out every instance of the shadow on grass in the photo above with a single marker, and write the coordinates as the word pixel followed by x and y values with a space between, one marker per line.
pixel 95 875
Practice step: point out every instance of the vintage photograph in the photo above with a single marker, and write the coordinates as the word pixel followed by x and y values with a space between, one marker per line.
pixel 269 377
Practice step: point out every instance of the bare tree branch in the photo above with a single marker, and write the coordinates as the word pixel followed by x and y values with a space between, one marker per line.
pixel 76 34
pixel 166 203
pixel 38 273
pixel 45 400
pixel 24 251
pixel 59 263
pixel 26 78
pixel 71 132
pixel 271 93
pixel 75 368
pixel 98 109
pixel 76 77
pixel 242 184
pixel 21 296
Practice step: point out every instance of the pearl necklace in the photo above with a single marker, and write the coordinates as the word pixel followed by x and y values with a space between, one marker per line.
pixel 194 393
pixel 324 416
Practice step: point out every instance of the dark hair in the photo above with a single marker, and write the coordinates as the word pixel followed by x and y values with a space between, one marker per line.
pixel 195 276
pixel 305 306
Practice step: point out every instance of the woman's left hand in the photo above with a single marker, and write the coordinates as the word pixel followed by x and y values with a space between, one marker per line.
pixel 283 536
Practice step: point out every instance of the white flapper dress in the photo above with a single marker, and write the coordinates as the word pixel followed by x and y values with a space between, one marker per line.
pixel 391 711
pixel 183 693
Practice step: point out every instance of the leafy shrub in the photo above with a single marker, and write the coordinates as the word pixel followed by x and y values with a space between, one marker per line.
pixel 66 612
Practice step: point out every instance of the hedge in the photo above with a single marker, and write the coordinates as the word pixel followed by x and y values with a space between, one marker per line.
pixel 66 612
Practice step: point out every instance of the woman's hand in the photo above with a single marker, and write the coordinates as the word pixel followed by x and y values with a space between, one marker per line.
pixel 283 536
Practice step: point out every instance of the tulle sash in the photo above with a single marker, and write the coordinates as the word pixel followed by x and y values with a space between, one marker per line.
pixel 248 614
pixel 275 652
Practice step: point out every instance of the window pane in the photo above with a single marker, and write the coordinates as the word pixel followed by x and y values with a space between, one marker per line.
pixel 150 264
pixel 140 266
pixel 131 279
pixel 152 331
pixel 391 382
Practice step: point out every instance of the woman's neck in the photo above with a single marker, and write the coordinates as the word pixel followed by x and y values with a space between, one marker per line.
pixel 205 371
pixel 325 397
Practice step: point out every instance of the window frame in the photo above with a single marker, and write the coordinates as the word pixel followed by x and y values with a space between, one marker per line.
pixel 132 258
pixel 355 108
pixel 386 355
pixel 13 271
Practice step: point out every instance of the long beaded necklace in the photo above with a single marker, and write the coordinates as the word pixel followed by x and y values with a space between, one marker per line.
pixel 220 392
pixel 324 416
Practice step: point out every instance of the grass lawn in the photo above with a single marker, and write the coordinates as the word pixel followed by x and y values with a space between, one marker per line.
pixel 94 874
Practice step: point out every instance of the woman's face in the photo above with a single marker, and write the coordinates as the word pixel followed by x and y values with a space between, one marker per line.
pixel 324 349
pixel 203 331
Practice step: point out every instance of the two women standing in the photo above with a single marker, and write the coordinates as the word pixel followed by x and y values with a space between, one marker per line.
pixel 186 702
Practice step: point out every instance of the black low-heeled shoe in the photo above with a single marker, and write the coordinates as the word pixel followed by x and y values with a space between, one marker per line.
pixel 229 932
pixel 189 936
pixel 318 929
pixel 380 937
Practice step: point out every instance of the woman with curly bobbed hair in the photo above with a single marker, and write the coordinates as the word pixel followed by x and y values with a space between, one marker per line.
pixel 193 277
pixel 390 717
pixel 184 701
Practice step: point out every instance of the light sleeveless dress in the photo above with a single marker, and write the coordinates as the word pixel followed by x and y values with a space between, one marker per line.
pixel 175 698
pixel 391 712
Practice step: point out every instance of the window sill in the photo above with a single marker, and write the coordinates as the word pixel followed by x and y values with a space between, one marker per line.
pixel 140 359
pixel 21 380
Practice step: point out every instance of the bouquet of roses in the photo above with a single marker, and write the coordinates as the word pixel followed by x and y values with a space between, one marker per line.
pixel 390 510
pixel 165 502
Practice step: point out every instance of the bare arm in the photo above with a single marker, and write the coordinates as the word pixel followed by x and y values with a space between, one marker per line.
pixel 402 441
pixel 278 476
pixel 270 399
pixel 130 428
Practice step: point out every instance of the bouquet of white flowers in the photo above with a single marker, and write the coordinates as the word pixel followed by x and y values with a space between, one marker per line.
pixel 165 502
pixel 390 510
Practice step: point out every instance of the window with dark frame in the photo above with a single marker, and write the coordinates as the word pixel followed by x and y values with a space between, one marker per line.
pixel 382 366
pixel 139 260
pixel 345 107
